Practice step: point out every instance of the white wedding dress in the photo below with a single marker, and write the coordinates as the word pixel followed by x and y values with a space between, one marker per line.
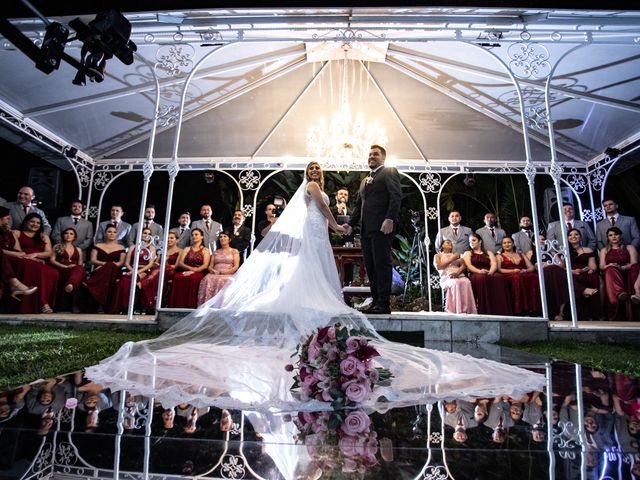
pixel 232 351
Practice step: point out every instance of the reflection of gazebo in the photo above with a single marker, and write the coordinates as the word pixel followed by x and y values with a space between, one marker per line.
pixel 458 91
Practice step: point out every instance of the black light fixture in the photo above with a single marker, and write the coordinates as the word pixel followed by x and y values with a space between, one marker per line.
pixel 612 152
pixel 70 152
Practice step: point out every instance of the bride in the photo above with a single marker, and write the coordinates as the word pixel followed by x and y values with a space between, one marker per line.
pixel 232 351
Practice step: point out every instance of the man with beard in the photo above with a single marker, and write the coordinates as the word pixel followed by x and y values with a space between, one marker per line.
pixel 156 228
pixel 524 238
pixel 490 234
pixel 240 235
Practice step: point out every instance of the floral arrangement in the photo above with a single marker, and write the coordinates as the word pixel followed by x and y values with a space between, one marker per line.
pixel 338 440
pixel 336 365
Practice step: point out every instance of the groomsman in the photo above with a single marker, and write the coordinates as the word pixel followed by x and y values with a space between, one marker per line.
pixel 122 227
pixel 182 230
pixel 240 235
pixel 490 234
pixel 156 228
pixel 376 212
pixel 23 206
pixel 523 239
pixel 83 228
pixel 210 227
pixel 587 239
pixel 628 225
pixel 457 234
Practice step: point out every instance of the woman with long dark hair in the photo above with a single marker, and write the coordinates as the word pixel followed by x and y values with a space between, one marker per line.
pixel 69 261
pixel 619 262
pixel 192 263
pixel 586 281
pixel 108 258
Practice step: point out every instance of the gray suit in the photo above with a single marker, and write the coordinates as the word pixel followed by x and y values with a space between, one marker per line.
pixel 460 241
pixel 184 239
pixel 156 231
pixel 628 227
pixel 488 242
pixel 588 238
pixel 521 241
pixel 84 231
pixel 123 232
pixel 3 203
pixel 16 210
pixel 210 235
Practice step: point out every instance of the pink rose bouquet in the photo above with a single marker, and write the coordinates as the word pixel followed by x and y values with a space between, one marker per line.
pixel 339 440
pixel 336 365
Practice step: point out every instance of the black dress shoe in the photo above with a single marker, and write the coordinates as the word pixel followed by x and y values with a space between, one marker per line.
pixel 379 310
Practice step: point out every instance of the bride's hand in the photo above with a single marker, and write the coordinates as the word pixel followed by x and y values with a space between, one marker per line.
pixel 343 229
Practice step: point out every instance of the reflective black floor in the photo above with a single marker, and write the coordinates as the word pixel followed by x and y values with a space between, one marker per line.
pixel 68 427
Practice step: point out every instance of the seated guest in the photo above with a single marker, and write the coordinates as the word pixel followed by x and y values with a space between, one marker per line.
pixel 209 227
pixel 82 228
pixel 11 265
pixel 108 258
pixel 554 232
pixel 68 259
pixel 24 206
pixel 240 235
pixel 37 248
pixel 146 263
pixel 156 229
pixel 149 285
pixel 491 235
pixel 523 239
pixel 627 225
pixel 182 231
pixel 459 294
pixel 122 227
pixel 455 232
pixel 619 262
pixel 523 282
pixel 586 280
pixel 224 263
pixel 555 278
pixel 489 286
pixel 192 262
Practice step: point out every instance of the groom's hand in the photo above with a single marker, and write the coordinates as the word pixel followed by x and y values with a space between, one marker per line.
pixel 387 226
pixel 347 229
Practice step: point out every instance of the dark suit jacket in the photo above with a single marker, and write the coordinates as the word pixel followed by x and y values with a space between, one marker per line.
pixel 343 238
pixel 241 240
pixel 378 200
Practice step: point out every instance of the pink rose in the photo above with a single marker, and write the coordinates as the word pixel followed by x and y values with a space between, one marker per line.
pixel 349 465
pixel 374 375
pixel 349 365
pixel 313 350
pixel 309 381
pixel 356 422
pixel 353 344
pixel 347 445
pixel 310 444
pixel 357 392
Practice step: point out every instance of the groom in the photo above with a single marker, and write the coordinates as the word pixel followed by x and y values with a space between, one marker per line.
pixel 377 211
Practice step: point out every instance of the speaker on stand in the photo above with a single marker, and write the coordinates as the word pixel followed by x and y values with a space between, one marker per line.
pixel 47 186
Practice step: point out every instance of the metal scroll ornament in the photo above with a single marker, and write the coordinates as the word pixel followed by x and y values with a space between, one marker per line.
pixel 529 60
pixel 174 60
pixel 232 467
pixel 249 179
pixel 577 181
pixel 430 182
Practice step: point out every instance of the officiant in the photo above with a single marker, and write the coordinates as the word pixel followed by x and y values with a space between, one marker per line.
pixel 342 213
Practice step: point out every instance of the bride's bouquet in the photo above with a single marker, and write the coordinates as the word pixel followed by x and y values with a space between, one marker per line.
pixel 335 365
pixel 338 441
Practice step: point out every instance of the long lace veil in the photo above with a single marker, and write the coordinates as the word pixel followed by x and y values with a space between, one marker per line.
pixel 231 352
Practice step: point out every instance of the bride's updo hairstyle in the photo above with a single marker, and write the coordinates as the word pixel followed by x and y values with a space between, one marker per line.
pixel 306 174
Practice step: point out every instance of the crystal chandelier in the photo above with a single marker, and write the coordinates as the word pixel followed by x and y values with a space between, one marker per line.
pixel 343 144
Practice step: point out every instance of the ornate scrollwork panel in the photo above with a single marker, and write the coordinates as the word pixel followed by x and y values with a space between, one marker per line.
pixel 93 211
pixel 597 178
pixel 174 60
pixel 434 280
pixel 247 210
pixel 589 215
pixel 529 60
pixel 429 181
pixel 249 179
pixel 233 467
pixel 432 213
pixel 167 116
pixel 435 472
pixel 578 181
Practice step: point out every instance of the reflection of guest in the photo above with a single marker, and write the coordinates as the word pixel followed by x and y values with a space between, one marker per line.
pixel 377 211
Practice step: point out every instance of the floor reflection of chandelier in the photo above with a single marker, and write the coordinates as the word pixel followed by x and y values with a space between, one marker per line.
pixel 343 144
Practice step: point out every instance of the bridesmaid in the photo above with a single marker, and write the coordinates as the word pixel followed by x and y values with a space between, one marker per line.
pixel 459 293
pixel 69 261
pixel 108 258
pixel 619 262
pixel 192 262
pixel 586 281
pixel 519 272
pixel 224 263
pixel 489 287
pixel 146 262
pixel 149 285
pixel 12 259
pixel 36 245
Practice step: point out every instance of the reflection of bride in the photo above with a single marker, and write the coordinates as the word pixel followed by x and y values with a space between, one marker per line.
pixel 232 351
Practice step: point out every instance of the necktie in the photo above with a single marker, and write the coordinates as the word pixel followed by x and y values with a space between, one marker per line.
pixel 455 231
pixel 529 234
pixel 115 224
pixel 569 227
pixel 26 209
pixel 206 224
pixel 181 230
pixel 613 221
pixel 146 224
pixel 75 221
pixel 493 232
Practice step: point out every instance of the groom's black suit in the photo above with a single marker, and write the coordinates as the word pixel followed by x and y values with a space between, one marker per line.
pixel 378 199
